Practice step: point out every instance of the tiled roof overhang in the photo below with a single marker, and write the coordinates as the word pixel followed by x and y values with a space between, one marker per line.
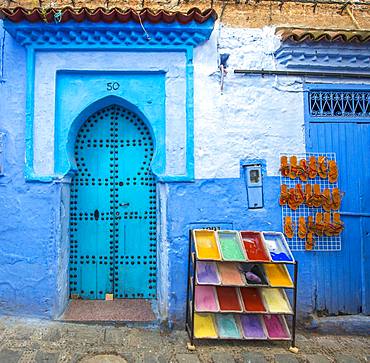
pixel 106 15
pixel 301 35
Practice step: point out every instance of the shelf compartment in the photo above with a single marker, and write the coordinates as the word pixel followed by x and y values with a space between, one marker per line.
pixel 204 326
pixel 206 246
pixel 277 247
pixel 252 300
pixel 231 248
pixel 276 327
pixel 253 327
pixel 207 273
pixel 278 275
pixel 205 299
pixel 227 326
pixel 230 274
pixel 254 246
pixel 251 271
pixel 228 299
pixel 275 301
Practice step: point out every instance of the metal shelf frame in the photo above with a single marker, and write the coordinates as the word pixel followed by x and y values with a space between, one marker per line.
pixel 190 297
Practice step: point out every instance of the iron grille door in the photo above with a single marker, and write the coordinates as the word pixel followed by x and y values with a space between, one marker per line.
pixel 113 208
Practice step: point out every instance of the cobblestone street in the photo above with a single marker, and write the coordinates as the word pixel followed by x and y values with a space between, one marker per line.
pixel 30 340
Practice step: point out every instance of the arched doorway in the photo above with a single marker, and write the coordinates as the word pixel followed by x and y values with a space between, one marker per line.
pixel 113 208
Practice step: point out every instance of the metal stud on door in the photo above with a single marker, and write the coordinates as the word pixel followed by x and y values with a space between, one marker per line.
pixel 113 208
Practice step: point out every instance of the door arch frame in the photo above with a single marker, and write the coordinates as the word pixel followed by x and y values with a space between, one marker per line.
pixel 90 110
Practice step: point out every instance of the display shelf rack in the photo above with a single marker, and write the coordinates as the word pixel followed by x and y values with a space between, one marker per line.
pixel 252 314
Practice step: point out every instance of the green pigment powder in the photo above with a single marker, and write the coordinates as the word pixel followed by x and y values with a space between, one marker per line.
pixel 230 248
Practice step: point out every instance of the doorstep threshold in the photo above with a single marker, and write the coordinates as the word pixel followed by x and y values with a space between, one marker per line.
pixel 109 311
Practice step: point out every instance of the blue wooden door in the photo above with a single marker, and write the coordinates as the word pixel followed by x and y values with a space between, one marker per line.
pixel 113 208
pixel 343 278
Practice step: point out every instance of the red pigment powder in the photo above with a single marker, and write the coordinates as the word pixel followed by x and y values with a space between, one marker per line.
pixel 228 299
pixel 252 299
pixel 254 246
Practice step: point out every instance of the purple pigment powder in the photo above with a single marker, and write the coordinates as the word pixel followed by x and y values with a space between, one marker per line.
pixel 252 327
pixel 207 273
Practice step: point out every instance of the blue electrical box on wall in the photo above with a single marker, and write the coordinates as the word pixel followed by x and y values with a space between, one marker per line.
pixel 253 178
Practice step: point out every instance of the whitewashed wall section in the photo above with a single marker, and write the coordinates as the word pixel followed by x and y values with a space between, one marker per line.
pixel 45 93
pixel 255 117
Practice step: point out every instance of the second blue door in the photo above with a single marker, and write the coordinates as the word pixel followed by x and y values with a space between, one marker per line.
pixel 339 122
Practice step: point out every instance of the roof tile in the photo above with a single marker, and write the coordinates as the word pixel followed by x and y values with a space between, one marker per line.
pixel 106 15
pixel 300 35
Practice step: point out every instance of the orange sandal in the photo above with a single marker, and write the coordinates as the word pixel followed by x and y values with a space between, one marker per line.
pixel 302 229
pixel 333 171
pixel 308 195
pixel 299 195
pixel 310 241
pixel 323 167
pixel 310 224
pixel 288 227
pixel 293 167
pixel 312 167
pixel 317 197
pixel 336 199
pixel 284 167
pixel 338 225
pixel 302 170
pixel 284 194
pixel 292 201
pixel 326 200
pixel 327 225
pixel 319 224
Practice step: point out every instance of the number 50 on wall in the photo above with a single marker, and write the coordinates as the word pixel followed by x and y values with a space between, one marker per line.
pixel 112 86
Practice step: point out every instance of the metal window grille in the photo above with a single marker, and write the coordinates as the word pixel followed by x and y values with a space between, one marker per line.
pixel 323 243
pixel 339 103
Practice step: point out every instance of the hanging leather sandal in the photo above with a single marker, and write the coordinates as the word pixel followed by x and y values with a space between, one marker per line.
pixel 293 167
pixel 284 194
pixel 302 229
pixel 333 171
pixel 288 227
pixel 326 200
pixel 323 167
pixel 284 167
pixel 308 195
pixel 312 167
pixel 302 170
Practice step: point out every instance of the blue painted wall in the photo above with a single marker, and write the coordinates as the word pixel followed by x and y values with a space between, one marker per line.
pixel 34 241
pixel 29 212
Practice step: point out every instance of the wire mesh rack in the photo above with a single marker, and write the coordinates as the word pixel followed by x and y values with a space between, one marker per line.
pixel 322 243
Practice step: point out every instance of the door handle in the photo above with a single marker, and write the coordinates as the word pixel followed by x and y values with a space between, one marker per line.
pixel 124 204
